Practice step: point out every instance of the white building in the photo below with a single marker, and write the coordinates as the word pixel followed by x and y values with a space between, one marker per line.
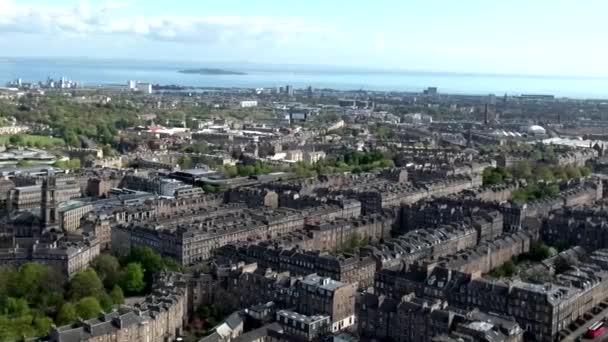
pixel 313 157
pixel 249 104
pixel 145 88
pixel 536 130
pixel 295 155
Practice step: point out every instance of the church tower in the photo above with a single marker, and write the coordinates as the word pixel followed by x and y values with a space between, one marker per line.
pixel 48 207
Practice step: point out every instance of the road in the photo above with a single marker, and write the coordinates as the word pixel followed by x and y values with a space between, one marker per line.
pixel 583 329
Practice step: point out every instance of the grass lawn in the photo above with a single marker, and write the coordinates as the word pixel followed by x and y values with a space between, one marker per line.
pixel 33 140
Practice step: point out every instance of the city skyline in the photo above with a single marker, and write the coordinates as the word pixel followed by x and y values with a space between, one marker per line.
pixel 543 38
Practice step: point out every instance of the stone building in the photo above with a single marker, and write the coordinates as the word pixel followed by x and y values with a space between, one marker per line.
pixel 480 327
pixel 160 317
pixel 308 295
pixel 336 234
pixel 317 209
pixel 304 327
pixel 71 214
pixel 415 319
pixel 488 255
pixel 375 196
pixel 578 157
pixel 197 238
pixel 489 223
pixel 583 226
pixel 344 268
pixel 29 197
pixel 42 238
pixel 494 193
pixel 253 197
pixel 422 243
pixel 6 185
pixel 542 310
pixel 122 210
pixel 67 257
pixel 97 187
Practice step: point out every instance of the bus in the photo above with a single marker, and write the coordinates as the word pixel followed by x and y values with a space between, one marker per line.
pixel 595 330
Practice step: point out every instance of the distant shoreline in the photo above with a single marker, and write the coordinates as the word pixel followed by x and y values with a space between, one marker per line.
pixel 94 72
pixel 211 71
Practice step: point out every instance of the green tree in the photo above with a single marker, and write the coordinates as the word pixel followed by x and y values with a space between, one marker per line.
pixel 491 177
pixel 117 295
pixel 509 268
pixel 573 172
pixel 185 162
pixel 108 269
pixel 132 280
pixel 14 307
pixel 148 258
pixel 16 140
pixel 71 138
pixel 549 154
pixel 68 164
pixel 520 195
pixel 171 265
pixel 7 276
pixel 85 284
pixel 41 326
pixel 150 261
pixel 230 170
pixel 210 188
pixel 544 173
pixel 551 190
pixel 585 171
pixel 539 252
pixel 523 169
pixel 353 243
pixel 106 303
pixel 88 307
pixel 536 155
pixel 67 314
pixel 197 148
pixel 34 282
pixel 559 173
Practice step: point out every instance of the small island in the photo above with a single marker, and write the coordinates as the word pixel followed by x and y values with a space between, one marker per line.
pixel 210 71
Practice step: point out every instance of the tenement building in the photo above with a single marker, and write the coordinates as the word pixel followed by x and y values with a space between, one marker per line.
pixel 414 319
pixel 197 239
pixel 542 310
pixel 67 257
pixel 160 317
pixel 375 196
pixel 337 234
pixel 489 223
pixel 584 226
pixel 422 243
pixel 488 255
pixel 308 295
pixel 350 269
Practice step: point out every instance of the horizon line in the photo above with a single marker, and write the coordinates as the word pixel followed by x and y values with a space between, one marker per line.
pixel 287 65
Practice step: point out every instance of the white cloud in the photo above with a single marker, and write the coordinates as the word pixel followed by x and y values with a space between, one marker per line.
pixel 109 18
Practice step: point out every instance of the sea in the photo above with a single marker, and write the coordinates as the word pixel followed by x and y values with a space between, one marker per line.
pixel 99 72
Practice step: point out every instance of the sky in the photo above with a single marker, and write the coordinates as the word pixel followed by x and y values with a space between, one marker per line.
pixel 542 37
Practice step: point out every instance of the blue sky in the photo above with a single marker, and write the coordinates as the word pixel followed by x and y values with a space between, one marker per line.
pixel 560 37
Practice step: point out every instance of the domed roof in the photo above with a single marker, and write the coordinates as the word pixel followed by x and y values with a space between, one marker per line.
pixel 535 129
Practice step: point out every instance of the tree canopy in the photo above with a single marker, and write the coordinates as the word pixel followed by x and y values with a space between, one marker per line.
pixel 85 284
pixel 132 280
pixel 34 296
pixel 88 307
